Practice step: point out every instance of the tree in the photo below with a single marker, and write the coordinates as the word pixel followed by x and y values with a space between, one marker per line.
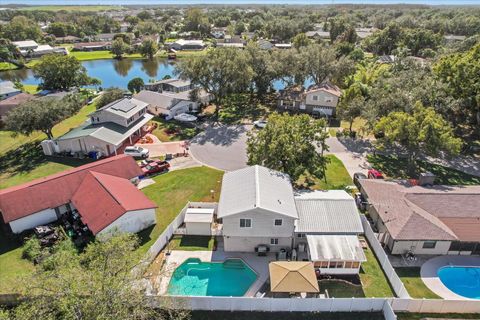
pixel 135 85
pixel 386 40
pixel 289 144
pixel 263 70
pixel 300 40
pixel 21 28
pixel 321 63
pixel 109 95
pixel 41 115
pixel 148 48
pixel 119 47
pixel 422 132
pixel 59 72
pixel 220 72
pixel 96 284
pixel 195 20
pixel 350 109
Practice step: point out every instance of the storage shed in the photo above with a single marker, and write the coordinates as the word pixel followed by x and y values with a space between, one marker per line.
pixel 198 221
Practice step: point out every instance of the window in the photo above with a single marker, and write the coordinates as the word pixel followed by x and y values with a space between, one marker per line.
pixel 328 99
pixel 274 241
pixel 300 235
pixel 278 222
pixel 245 223
pixel 141 112
pixel 315 98
pixel 129 120
pixel 429 244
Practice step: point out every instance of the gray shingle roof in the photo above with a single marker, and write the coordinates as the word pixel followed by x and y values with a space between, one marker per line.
pixel 327 212
pixel 256 187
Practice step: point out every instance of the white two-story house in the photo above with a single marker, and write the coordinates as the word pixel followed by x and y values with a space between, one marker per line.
pixel 109 128
pixel 257 208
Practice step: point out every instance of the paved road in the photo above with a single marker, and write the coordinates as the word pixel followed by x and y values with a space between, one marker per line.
pixel 222 147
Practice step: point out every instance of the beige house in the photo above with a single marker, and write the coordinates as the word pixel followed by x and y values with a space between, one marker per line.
pixel 436 220
pixel 108 129
pixel 257 209
pixel 319 100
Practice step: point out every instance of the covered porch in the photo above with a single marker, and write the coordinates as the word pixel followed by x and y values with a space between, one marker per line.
pixel 335 254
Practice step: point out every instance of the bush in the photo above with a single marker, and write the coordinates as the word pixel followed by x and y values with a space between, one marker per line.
pixel 32 249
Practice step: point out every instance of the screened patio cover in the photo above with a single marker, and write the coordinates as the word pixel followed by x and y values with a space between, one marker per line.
pixel 335 248
pixel 292 276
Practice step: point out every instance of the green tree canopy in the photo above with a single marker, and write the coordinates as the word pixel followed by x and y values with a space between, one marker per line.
pixel 41 114
pixel 423 132
pixel 109 95
pixel 119 47
pixel 60 72
pixel 21 28
pixel 135 85
pixel 148 48
pixel 289 144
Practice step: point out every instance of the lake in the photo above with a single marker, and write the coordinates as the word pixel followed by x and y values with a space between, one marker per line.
pixel 114 73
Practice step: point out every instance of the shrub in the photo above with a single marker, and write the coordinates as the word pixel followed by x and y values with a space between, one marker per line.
pixel 32 249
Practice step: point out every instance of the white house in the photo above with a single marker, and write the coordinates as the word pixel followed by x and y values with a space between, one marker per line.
pixel 7 89
pixel 183 44
pixel 33 49
pixel 257 208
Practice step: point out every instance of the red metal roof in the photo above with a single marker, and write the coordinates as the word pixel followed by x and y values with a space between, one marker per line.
pixel 58 189
pixel 101 199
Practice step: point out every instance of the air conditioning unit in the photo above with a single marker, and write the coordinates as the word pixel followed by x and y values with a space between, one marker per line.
pixel 301 247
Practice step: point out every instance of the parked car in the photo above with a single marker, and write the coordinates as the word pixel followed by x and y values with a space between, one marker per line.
pixel 145 162
pixel 137 152
pixel 358 176
pixel 260 123
pixel 155 167
pixel 374 174
pixel 185 117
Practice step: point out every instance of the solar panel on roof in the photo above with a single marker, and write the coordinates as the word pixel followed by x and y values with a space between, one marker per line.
pixel 124 105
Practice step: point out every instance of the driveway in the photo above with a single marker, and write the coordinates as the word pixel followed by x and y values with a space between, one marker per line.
pixel 351 152
pixel 220 146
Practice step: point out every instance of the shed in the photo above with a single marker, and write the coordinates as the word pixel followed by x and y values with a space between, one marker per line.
pixel 198 221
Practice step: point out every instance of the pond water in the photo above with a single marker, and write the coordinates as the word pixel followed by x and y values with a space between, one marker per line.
pixel 114 73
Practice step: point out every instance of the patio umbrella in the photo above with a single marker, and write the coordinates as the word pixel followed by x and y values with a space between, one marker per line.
pixel 292 276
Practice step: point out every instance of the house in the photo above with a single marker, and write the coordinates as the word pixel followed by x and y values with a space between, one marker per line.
pixel 319 100
pixel 327 231
pixel 436 220
pixel 117 124
pixel 318 34
pixel 101 193
pixel 183 44
pixel 170 85
pixel 30 48
pixel 388 59
pixel 105 37
pixel 265 44
pixel 453 38
pixel 92 46
pixel 257 209
pixel 67 39
pixel 12 102
pixel 229 41
pixel 7 89
pixel 363 33
pixel 283 45
pixel 165 104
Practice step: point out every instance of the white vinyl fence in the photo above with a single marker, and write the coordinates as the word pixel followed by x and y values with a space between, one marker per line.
pixel 382 257
pixel 435 306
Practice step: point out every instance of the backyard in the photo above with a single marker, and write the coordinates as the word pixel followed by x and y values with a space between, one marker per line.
pixel 191 243
pixel 410 277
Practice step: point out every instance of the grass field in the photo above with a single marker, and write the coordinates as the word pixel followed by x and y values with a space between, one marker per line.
pixel 191 243
pixel 179 131
pixel 98 55
pixel 337 175
pixel 395 167
pixel 70 8
pixel 5 66
pixel 173 190
pixel 374 281
pixel 414 284
pixel 31 88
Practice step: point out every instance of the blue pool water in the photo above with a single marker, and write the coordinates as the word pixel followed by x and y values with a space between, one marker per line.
pixel 196 278
pixel 464 281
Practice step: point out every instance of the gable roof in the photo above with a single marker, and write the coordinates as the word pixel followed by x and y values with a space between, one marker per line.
pixel 158 100
pixel 256 187
pixel 58 189
pixel 327 212
pixel 326 87
pixel 421 213
pixel 101 199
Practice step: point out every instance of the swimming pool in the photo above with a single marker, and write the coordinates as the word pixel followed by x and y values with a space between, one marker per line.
pixel 196 278
pixel 464 281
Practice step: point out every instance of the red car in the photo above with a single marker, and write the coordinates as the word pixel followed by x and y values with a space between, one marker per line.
pixel 155 167
pixel 374 174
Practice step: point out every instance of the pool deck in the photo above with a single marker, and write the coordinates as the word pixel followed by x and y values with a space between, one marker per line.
pixel 429 269
pixel 177 257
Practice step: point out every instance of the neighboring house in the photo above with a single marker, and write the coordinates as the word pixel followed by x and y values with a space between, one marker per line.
pixel 319 100
pixel 327 228
pixel 67 39
pixel 170 85
pixel 109 128
pixel 265 44
pixel 388 59
pixel 30 48
pixel 7 89
pixel 453 38
pixel 283 45
pixel 434 220
pixel 92 46
pixel 183 44
pixel 229 41
pixel 105 37
pixel 138 41
pixel 363 33
pixel 318 34
pixel 12 102
pixel 257 208
pixel 167 105
pixel 101 193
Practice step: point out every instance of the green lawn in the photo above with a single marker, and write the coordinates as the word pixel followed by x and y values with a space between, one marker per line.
pixel 443 316
pixel 337 175
pixel 5 66
pixel 192 243
pixel 375 283
pixel 173 190
pixel 410 277
pixel 341 289
pixel 256 315
pixel 395 167
pixel 33 163
pixel 102 54
pixel 31 88
pixel 172 130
